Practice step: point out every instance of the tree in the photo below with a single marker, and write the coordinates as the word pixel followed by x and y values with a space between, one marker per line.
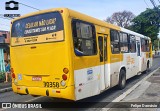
pixel 122 19
pixel 155 42
pixel 147 23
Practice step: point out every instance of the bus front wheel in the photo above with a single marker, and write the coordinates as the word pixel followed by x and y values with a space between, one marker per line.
pixel 122 79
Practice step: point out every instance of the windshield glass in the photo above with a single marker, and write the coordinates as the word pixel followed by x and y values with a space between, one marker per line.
pixel 32 28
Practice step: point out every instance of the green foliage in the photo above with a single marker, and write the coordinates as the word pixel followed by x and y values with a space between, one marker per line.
pixel 155 43
pixel 2 76
pixel 147 23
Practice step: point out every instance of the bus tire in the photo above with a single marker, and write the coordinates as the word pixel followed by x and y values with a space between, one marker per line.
pixel 122 79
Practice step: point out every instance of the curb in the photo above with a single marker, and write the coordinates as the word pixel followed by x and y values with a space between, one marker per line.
pixel 5 89
pixel 122 96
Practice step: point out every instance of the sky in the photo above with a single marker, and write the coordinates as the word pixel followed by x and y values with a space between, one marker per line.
pixel 99 9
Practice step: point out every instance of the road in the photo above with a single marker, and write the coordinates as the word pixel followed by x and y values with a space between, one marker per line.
pixel 106 96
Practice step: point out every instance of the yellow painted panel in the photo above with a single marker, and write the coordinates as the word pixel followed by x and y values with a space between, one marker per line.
pixel 150 47
pixel 84 62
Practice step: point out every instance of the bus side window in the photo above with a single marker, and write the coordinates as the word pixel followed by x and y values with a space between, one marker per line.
pixel 147 45
pixel 132 44
pixel 144 45
pixel 114 36
pixel 124 42
pixel 84 38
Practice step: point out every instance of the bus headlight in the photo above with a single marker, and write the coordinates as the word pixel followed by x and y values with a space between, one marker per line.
pixel 63 83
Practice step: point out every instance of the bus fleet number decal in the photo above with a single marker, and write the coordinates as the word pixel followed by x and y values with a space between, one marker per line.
pixel 51 84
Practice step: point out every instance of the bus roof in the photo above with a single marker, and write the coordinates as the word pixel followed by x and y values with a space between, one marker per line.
pixel 73 14
pixel 78 15
pixel 38 12
pixel 133 33
pixel 87 18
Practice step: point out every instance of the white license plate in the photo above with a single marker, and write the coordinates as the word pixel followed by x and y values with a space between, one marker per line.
pixel 36 78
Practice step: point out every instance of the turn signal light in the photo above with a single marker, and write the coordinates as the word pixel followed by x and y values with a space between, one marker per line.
pixel 65 70
pixel 61 11
pixel 13 75
pixel 12 70
pixel 64 77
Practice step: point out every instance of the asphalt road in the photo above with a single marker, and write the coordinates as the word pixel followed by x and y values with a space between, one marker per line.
pixel 106 96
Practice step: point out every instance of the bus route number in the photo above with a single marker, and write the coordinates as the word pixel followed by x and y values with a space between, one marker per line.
pixel 51 84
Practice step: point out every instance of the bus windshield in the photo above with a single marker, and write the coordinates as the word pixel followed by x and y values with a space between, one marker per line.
pixel 38 28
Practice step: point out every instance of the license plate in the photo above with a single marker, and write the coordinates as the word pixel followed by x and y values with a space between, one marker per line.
pixel 36 78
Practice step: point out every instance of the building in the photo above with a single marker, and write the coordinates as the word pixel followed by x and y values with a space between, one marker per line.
pixel 7 38
pixel 5 42
pixel 4 48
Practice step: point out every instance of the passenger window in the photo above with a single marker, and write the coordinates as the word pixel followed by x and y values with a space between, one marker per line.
pixel 132 44
pixel 147 45
pixel 124 42
pixel 114 41
pixel 144 45
pixel 84 38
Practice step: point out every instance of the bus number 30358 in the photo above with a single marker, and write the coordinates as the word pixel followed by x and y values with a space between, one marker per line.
pixel 51 84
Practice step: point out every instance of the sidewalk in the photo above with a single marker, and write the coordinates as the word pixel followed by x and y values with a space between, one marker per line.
pixel 156 56
pixel 4 87
pixel 147 91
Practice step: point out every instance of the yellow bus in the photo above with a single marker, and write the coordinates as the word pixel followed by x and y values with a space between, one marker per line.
pixel 62 53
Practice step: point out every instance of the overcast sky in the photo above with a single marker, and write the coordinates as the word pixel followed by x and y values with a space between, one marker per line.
pixel 96 8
